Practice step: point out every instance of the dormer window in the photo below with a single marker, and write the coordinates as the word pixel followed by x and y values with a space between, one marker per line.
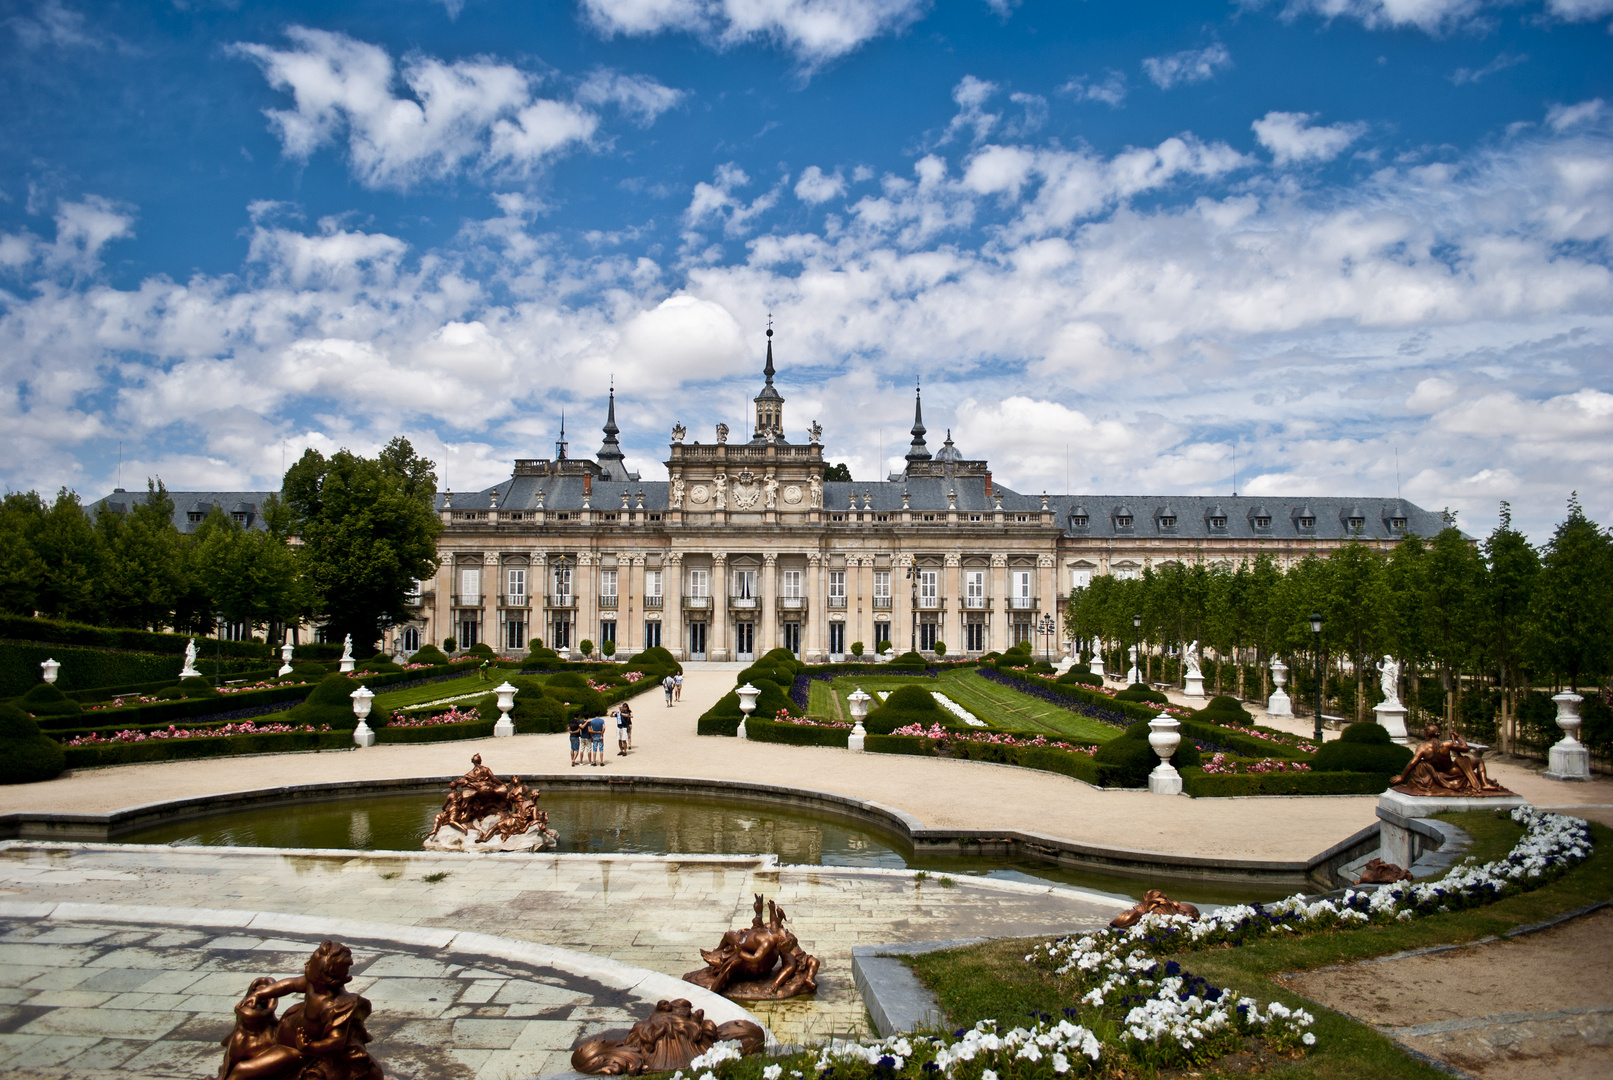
pixel 195 517
pixel 1079 521
pixel 1122 521
pixel 239 519
pixel 1356 523
pixel 1398 524
pixel 1307 523
pixel 1262 522
pixel 1218 523
pixel 1168 522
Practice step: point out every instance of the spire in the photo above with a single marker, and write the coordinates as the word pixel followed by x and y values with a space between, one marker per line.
pixel 611 430
pixel 769 403
pixel 918 451
pixel 768 370
pixel 610 457
pixel 560 443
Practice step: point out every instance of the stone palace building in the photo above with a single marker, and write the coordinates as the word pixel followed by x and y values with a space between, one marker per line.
pixel 746 547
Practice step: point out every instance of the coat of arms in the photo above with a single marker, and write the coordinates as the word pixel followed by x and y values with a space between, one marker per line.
pixel 746 492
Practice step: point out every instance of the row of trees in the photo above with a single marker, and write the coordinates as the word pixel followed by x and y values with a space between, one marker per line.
pixel 341 546
pixel 1501 614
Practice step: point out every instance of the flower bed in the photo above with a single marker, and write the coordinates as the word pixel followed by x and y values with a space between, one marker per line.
pixel 1037 752
pixel 171 732
pixel 957 710
pixel 401 719
pixel 1226 765
pixel 796 732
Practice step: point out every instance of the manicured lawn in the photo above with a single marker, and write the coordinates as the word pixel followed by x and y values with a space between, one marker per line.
pixel 999 706
pixel 993 981
pixel 419 695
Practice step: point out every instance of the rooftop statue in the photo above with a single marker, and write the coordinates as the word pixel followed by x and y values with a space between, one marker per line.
pixel 678 432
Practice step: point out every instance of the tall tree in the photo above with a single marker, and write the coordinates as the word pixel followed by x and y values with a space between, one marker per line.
pixel 250 576
pixel 1573 593
pixel 22 515
pixel 142 568
pixel 1453 582
pixel 1511 567
pixel 368 532
pixel 67 547
pixel 1351 611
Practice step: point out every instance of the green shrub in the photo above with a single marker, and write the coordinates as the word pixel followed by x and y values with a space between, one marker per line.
pixel 1020 647
pixel 26 754
pixel 1225 710
pixel 331 702
pixel 49 631
pixel 197 687
pixel 575 692
pixel 723 717
pixel 1081 678
pixel 1040 667
pixel 991 656
pixel 766 730
pixel 1139 692
pixel 770 669
pixel 586 647
pixel 1362 748
pixel 856 648
pixel 909 661
pixel 536 712
pixel 45 700
pixel 886 646
pixel 939 649
pixel 1224 703
pixel 483 650
pixel 307 671
pixel 450 644
pixel 1200 786
pixel 1127 761
pixel 608 648
pixel 568 678
pixel 428 654
pixel 534 644
pixel 907 705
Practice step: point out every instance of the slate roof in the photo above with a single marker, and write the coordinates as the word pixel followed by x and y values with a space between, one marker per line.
pixel 189 502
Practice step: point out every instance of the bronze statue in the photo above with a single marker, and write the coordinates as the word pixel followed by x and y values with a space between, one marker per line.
pixel 1378 872
pixel 482 813
pixel 1154 902
pixel 742 965
pixel 320 1038
pixel 669 1038
pixel 1443 767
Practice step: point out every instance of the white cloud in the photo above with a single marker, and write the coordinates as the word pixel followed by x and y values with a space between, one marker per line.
pixel 815 186
pixel 716 202
pixel 1580 10
pixel 1292 140
pixel 971 95
pixel 83 228
pixel 815 31
pixel 475 117
pixel 1188 66
pixel 1563 117
pixel 1503 60
pixel 53 23
pixel 1436 17
pixel 1111 91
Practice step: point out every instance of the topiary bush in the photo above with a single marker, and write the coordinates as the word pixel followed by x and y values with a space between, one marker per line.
pixel 536 712
pixel 907 705
pixel 608 648
pixel 1139 692
pixel 307 671
pixel 197 687
pixel 655 661
pixel 939 649
pixel 331 702
pixel 911 660
pixel 571 689
pixel 586 646
pixel 1083 678
pixel 381 664
pixel 1224 709
pixel 856 648
pixel 450 644
pixel 534 644
pixel 1364 747
pixel 428 654
pixel 1127 761
pixel 26 754
pixel 482 649
pixel 45 700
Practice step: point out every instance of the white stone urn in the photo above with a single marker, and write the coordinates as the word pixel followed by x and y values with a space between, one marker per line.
pixel 747 704
pixel 362 735
pixel 1569 759
pixel 1165 735
pixel 49 669
pixel 285 658
pixel 859 710
pixel 1133 676
pixel 1278 704
pixel 506 701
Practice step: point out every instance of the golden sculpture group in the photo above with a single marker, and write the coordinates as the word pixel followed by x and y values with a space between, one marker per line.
pixel 1153 902
pixel 483 813
pixel 669 1038
pixel 741 966
pixel 1444 767
pixel 322 1037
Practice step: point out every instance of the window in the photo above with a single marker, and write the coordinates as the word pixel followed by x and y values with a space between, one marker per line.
pixel 652 635
pixel 517 586
pixel 1218 523
pixel 468 635
pixel 607 631
pixel 1078 521
pixel 837 587
pixel 562 583
pixel 607 583
pixel 1022 632
pixel 974 636
pixel 652 583
pixel 1397 523
pixel 1080 579
pixel 239 517
pixel 1022 584
pixel 1126 573
pixel 882 634
pixel 1307 523
pixel 929 588
pixel 560 635
pixel 882 586
pixel 974 517
pixel 744 584
pixel 1356 523
pixel 1167 521
pixel 1122 521
pixel 515 635
pixel 837 517
pixel 974 588
pixel 470 587
pixel 410 639
pixel 1262 522
pixel 792 584
pixel 926 636
pixel 837 638
pixel 929 517
pixel 195 517
pixel 1022 518
pixel 699 582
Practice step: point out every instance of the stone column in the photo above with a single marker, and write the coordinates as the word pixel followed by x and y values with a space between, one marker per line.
pixel 951 629
pixel 1047 592
pixel 903 634
pixel 630 625
pixel 672 604
pixel 492 632
pixel 860 602
pixel 585 587
pixel 538 589
pixel 815 642
pixel 767 616
pixel 717 632
pixel 999 604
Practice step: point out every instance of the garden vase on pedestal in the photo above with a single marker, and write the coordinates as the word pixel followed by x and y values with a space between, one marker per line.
pixel 285 658
pixel 859 709
pixel 1569 759
pixel 362 735
pixel 747 705
pixel 506 701
pixel 1278 704
pixel 1165 735
pixel 49 669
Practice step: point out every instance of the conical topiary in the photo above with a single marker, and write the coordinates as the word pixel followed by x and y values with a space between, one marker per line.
pixel 26 754
pixel 330 703
pixel 43 699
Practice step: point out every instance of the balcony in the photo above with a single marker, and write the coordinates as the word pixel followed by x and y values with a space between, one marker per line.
pixel 837 603
pixel 697 603
pixel 563 600
pixel 607 602
pixel 976 603
pixel 744 603
pixel 653 603
pixel 791 603
pixel 929 603
pixel 467 600
pixel 882 603
pixel 515 600
pixel 1022 603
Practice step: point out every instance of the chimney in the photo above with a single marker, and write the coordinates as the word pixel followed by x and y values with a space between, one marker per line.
pixel 587 483
pixel 988 485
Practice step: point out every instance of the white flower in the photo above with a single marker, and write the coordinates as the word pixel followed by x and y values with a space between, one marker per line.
pixel 773 1072
pixel 1061 1064
pixel 1309 1039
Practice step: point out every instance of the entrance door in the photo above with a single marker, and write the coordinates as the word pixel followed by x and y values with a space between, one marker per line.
pixel 467 632
pixel 745 641
pixel 561 636
pixel 652 635
pixel 697 641
pixel 792 637
pixel 837 639
pixel 926 636
pixel 976 633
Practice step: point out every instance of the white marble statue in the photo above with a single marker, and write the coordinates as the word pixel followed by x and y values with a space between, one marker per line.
pixel 815 432
pixel 721 484
pixel 677 494
pixel 347 647
pixel 678 432
pixel 722 434
pixel 1389 674
pixel 817 494
pixel 1191 659
pixel 189 670
pixel 770 489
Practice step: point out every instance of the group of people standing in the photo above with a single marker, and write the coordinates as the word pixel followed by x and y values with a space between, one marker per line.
pixel 673 685
pixel 587 734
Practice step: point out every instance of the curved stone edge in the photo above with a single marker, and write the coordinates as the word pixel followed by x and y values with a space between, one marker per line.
pixel 650 986
pixel 1042 847
pixel 895 998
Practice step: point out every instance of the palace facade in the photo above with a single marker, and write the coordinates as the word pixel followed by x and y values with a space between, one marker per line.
pixel 746 547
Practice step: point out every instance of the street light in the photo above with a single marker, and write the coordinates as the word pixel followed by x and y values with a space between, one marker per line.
pixel 1136 646
pixel 1048 628
pixel 1316 637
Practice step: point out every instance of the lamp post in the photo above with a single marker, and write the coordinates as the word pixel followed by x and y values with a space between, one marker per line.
pixel 1046 627
pixel 1136 647
pixel 1316 639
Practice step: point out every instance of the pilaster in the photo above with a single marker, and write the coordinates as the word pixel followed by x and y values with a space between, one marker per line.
pixel 630 627
pixel 538 588
pixel 815 642
pixel 999 604
pixel 672 604
pixel 767 619
pixel 717 641
pixel 491 631
pixel 585 587
pixel 952 614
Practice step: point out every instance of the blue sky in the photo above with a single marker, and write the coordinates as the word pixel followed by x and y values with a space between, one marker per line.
pixel 1354 246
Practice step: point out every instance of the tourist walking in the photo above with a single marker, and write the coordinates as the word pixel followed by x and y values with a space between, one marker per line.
pixel 576 729
pixel 667 684
pixel 624 729
pixel 677 687
pixel 596 729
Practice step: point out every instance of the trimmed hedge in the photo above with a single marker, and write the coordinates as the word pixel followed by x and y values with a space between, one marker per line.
pixel 45 700
pixel 26 755
pixel 107 693
pixel 1044 758
pixel 906 705
pixel 1139 692
pixel 794 734
pixel 479 729
pixel 1127 761
pixel 1200 786
pixel 20 628
pixel 428 654
pixel 162 713
pixel 1363 748
pixel 91 668
pixel 723 717
pixel 85 757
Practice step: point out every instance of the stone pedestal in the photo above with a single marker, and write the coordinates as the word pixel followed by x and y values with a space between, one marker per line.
pixel 347 665
pixel 1097 666
pixel 1164 735
pixel 503 728
pixel 1568 758
pixel 1392 715
pixel 1133 675
pixel 189 671
pixel 1401 843
pixel 1278 704
pixel 363 736
pixel 1195 686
